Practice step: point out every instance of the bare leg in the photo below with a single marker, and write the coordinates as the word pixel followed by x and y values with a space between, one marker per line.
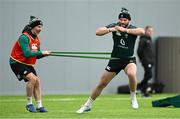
pixel 37 90
pixel 37 93
pixel 33 88
pixel 30 84
pixel 29 91
pixel 38 96
pixel 105 79
pixel 131 70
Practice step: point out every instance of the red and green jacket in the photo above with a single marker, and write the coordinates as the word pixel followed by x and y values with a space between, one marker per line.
pixel 26 50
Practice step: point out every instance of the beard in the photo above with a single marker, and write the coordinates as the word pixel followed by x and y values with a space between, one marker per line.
pixel 123 25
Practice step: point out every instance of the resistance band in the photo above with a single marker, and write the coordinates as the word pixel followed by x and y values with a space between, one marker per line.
pixel 95 53
pixel 75 55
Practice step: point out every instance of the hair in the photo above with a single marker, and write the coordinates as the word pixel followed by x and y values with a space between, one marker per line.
pixel 147 27
pixel 27 28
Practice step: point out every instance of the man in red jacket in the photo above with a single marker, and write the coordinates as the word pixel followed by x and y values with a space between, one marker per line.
pixel 23 56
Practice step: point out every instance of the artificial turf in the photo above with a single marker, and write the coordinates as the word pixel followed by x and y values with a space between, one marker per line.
pixel 107 106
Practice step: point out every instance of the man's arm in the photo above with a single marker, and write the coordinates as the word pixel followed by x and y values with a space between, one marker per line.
pixel 115 27
pixel 24 44
pixel 104 30
pixel 39 57
pixel 134 31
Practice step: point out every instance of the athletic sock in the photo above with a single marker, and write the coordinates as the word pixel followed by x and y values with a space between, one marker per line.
pixel 29 100
pixel 39 103
pixel 89 102
pixel 133 95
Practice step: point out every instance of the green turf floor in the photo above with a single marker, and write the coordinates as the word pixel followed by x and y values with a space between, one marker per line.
pixel 107 106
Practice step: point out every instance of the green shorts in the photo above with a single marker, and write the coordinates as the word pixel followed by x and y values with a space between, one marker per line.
pixel 116 65
pixel 21 70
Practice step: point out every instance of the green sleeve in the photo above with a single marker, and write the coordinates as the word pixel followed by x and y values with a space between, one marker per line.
pixel 24 44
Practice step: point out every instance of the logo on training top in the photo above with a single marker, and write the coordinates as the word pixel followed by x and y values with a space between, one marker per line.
pixel 122 42
pixel 34 47
pixel 118 33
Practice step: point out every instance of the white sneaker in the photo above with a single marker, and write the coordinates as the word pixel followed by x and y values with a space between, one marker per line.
pixel 134 104
pixel 83 109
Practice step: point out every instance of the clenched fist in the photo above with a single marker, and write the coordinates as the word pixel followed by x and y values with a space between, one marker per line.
pixel 46 52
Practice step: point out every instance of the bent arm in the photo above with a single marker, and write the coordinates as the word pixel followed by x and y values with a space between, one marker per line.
pixel 133 31
pixel 24 44
pixel 106 29
pixel 136 31
pixel 102 31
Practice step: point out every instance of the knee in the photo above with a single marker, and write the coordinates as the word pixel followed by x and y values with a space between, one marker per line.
pixel 37 84
pixel 32 80
pixel 131 74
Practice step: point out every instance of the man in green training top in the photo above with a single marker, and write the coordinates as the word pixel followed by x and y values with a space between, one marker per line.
pixel 124 37
pixel 23 55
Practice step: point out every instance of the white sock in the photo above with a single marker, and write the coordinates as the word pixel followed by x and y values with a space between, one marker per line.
pixel 39 103
pixel 89 102
pixel 29 100
pixel 133 95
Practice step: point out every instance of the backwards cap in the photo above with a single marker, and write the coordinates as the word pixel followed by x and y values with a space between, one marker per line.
pixel 34 21
pixel 124 14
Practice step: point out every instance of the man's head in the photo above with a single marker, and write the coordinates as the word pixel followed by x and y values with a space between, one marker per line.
pixel 148 30
pixel 124 17
pixel 35 25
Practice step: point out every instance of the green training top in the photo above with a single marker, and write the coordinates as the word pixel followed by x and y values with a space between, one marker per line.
pixel 123 42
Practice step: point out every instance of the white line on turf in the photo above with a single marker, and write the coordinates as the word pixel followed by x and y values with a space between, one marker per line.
pixel 68 99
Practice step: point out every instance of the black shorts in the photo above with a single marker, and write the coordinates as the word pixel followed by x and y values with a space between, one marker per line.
pixel 118 64
pixel 21 70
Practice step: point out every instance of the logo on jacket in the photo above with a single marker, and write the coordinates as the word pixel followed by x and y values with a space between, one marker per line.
pixel 34 47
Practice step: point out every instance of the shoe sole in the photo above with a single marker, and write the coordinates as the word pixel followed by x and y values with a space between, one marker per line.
pixel 83 111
